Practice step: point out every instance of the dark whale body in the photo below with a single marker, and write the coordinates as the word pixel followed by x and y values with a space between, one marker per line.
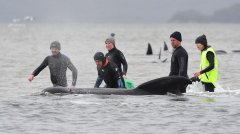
pixel 159 86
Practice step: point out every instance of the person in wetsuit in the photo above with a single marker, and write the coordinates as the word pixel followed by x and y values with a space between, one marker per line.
pixel 58 64
pixel 107 71
pixel 116 56
pixel 179 59
pixel 208 73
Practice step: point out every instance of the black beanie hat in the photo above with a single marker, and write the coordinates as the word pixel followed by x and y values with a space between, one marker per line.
pixel 55 44
pixel 202 40
pixel 99 56
pixel 176 35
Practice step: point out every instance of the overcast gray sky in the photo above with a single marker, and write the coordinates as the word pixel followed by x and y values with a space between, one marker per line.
pixel 105 10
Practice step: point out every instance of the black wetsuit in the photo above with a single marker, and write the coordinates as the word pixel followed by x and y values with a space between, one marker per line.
pixel 179 64
pixel 111 76
pixel 117 57
pixel 58 66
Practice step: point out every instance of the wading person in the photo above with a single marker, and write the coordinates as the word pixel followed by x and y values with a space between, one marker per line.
pixel 107 71
pixel 58 64
pixel 116 56
pixel 208 73
pixel 179 59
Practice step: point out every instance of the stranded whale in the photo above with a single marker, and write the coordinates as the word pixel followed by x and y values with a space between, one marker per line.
pixel 160 86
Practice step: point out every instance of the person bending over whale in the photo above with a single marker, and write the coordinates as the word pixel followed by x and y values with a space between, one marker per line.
pixel 58 64
pixel 107 71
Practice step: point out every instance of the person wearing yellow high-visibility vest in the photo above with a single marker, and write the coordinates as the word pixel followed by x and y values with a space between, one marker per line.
pixel 208 73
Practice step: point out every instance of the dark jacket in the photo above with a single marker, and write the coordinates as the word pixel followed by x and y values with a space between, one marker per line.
pixel 179 62
pixel 58 66
pixel 110 74
pixel 117 57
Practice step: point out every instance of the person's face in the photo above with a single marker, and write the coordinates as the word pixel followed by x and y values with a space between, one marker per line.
pixel 200 46
pixel 54 51
pixel 175 43
pixel 109 45
pixel 99 63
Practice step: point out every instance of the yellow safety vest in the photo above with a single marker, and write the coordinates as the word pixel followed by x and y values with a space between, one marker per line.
pixel 212 75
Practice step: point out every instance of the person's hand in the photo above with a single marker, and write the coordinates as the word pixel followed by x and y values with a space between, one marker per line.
pixel 196 74
pixel 124 76
pixel 30 77
pixel 70 88
pixel 194 79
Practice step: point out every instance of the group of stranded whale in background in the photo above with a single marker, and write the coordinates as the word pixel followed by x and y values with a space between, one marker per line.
pixel 112 67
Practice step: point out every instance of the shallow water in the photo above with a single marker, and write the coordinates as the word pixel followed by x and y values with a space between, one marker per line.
pixel 23 110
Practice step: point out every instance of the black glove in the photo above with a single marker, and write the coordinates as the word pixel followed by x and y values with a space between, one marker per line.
pixel 194 79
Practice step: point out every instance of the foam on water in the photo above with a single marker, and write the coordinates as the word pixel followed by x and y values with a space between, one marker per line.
pixel 197 88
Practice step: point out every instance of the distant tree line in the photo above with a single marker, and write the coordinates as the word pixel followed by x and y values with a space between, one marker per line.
pixel 225 15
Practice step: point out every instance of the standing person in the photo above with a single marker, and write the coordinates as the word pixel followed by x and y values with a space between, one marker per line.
pixel 208 73
pixel 115 55
pixel 58 64
pixel 107 71
pixel 179 60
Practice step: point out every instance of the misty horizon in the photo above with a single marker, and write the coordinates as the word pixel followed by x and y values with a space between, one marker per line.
pixel 104 11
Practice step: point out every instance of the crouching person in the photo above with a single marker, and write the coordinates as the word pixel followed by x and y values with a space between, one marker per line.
pixel 107 71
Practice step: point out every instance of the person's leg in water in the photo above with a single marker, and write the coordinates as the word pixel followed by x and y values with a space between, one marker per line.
pixel 209 87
